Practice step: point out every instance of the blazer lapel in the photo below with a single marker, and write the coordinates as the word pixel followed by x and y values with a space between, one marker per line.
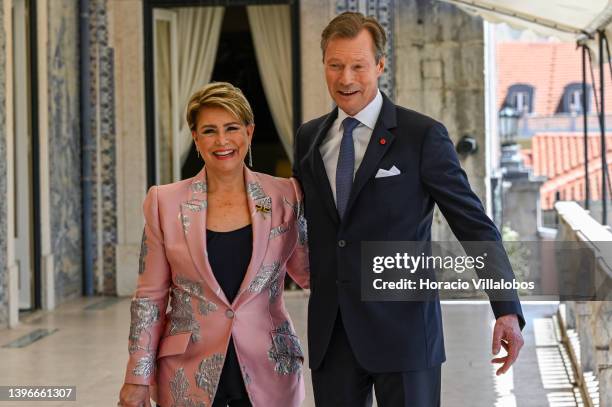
pixel 193 219
pixel 318 167
pixel 260 208
pixel 375 150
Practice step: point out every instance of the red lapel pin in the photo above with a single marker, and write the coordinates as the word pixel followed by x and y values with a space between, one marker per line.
pixel 382 141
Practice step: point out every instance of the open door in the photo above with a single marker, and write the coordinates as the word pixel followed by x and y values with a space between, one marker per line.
pixel 165 57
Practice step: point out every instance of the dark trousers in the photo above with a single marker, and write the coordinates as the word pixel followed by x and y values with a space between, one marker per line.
pixel 341 382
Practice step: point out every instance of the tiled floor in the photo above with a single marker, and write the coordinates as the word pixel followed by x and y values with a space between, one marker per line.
pixel 86 346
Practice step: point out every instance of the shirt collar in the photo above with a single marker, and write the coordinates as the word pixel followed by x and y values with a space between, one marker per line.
pixel 368 115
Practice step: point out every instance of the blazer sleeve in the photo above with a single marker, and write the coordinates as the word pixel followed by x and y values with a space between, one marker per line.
pixel 448 184
pixel 298 266
pixel 148 306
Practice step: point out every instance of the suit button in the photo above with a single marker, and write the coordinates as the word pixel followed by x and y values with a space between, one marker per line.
pixel 341 243
pixel 229 313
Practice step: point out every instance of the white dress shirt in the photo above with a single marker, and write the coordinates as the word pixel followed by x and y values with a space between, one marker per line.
pixel 330 146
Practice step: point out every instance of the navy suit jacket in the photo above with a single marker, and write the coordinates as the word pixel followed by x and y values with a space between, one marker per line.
pixel 385 336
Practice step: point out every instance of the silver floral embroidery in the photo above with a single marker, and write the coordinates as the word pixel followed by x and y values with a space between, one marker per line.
pixel 255 191
pixel 279 230
pixel 195 205
pixel 285 351
pixel 179 389
pixel 267 278
pixel 199 186
pixel 181 315
pixel 300 220
pixel 185 221
pixel 302 230
pixel 209 371
pixel 144 366
pixel 143 253
pixel 194 288
pixel 144 314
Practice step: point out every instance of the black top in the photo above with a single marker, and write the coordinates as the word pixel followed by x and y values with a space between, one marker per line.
pixel 229 254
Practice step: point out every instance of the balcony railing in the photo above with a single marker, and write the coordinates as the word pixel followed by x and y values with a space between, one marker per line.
pixel 589 320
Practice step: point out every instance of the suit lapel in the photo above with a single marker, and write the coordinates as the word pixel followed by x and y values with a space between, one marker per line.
pixel 318 167
pixel 193 219
pixel 375 150
pixel 260 208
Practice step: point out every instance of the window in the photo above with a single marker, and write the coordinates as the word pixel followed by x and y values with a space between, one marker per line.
pixel 575 101
pixel 571 101
pixel 520 98
pixel 521 101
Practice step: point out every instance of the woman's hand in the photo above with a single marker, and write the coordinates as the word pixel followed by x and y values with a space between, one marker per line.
pixel 134 395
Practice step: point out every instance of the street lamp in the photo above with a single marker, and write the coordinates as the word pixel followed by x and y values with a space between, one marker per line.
pixel 511 159
pixel 508 126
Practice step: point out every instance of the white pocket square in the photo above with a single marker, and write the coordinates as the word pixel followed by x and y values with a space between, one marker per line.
pixel 387 173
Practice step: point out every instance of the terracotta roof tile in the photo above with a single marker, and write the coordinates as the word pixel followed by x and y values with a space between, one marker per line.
pixel 560 157
pixel 548 67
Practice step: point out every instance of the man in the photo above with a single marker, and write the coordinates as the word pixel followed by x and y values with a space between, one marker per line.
pixel 397 347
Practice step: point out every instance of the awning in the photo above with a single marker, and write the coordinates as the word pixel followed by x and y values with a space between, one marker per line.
pixel 568 20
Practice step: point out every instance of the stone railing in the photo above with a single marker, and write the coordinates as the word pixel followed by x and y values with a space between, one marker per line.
pixel 590 321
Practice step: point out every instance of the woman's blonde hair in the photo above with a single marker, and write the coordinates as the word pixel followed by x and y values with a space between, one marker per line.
pixel 223 95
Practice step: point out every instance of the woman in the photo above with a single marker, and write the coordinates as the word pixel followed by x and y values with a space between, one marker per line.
pixel 217 247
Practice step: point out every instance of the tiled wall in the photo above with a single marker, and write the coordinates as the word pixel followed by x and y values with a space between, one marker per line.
pixel 65 151
pixel 64 147
pixel 103 129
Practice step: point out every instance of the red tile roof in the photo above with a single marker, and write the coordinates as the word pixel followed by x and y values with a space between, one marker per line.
pixel 548 67
pixel 560 157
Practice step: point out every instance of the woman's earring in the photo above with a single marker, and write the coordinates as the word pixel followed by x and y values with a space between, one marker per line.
pixel 250 157
pixel 198 152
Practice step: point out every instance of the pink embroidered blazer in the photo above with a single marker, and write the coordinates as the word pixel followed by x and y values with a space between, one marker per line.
pixel 180 352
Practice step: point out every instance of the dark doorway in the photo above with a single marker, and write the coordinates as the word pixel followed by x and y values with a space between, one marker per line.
pixel 235 63
pixel 235 45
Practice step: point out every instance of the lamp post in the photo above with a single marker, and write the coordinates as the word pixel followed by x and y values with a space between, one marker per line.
pixel 508 125
pixel 511 159
pixel 516 191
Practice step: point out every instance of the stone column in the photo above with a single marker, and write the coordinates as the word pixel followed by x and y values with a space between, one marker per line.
pixel 126 38
pixel 314 16
pixel 439 63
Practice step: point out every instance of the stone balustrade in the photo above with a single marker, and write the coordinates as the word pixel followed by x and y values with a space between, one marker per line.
pixel 592 320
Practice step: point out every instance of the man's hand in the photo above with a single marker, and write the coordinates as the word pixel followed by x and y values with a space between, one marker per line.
pixel 507 333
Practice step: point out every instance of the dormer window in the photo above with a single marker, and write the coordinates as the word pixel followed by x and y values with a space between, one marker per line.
pixel 571 101
pixel 520 98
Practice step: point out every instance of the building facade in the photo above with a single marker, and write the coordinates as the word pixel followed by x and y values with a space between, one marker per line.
pixel 76 137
